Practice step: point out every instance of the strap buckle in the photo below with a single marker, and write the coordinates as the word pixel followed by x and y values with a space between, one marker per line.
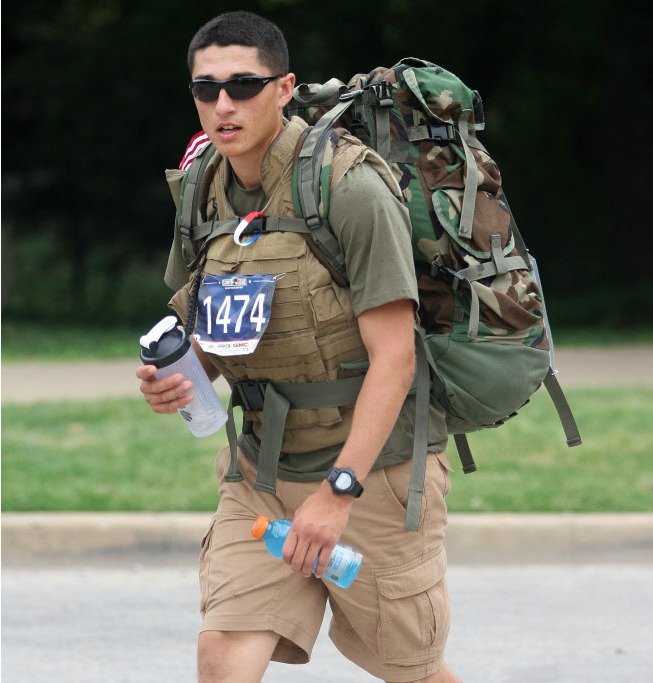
pixel 186 231
pixel 450 277
pixel 445 132
pixel 352 94
pixel 383 92
pixel 249 394
pixel 255 226
pixel 313 222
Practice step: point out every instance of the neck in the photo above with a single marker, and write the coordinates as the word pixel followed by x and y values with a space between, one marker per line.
pixel 247 175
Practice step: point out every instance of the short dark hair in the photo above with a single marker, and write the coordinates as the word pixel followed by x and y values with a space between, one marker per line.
pixel 243 28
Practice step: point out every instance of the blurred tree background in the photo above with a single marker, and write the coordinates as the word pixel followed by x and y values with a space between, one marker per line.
pixel 96 107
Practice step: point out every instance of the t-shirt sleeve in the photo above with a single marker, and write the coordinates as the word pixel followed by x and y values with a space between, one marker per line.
pixel 373 229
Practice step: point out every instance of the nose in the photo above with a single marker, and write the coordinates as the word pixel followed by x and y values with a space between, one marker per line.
pixel 224 103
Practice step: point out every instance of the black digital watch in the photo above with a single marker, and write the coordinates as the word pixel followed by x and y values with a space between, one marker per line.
pixel 343 481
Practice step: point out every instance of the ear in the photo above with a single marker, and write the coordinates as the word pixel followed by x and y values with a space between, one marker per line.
pixel 286 86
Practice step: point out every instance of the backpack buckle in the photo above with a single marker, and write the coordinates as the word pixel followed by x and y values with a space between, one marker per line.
pixel 445 133
pixel 450 277
pixel 186 231
pixel 249 394
pixel 256 226
pixel 383 92
pixel 345 97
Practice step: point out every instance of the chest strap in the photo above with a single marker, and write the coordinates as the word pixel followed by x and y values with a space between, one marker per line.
pixel 275 400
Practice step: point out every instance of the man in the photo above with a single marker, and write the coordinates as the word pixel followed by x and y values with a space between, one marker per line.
pixel 393 621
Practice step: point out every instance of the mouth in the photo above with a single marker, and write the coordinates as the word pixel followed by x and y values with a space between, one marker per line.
pixel 227 131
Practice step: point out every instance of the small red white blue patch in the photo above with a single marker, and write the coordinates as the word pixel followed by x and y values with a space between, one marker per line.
pixel 197 143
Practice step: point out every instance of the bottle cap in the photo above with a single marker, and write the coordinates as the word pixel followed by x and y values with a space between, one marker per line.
pixel 259 527
pixel 164 344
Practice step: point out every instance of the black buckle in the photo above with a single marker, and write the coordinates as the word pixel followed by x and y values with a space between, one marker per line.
pixel 185 231
pixel 249 394
pixel 446 275
pixel 444 133
pixel 359 129
pixel 255 226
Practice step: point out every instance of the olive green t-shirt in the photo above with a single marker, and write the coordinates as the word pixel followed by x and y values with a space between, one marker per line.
pixel 373 230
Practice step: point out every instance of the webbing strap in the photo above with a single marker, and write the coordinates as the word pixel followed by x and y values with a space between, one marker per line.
pixel 498 256
pixel 420 434
pixel 471 178
pixel 464 453
pixel 564 411
pixel 383 141
pixel 483 270
pixel 190 197
pixel 309 166
pixel 228 226
pixel 278 399
pixel 233 473
pixel 274 420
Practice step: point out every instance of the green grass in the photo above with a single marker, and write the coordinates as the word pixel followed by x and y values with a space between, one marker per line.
pixel 117 455
pixel 28 341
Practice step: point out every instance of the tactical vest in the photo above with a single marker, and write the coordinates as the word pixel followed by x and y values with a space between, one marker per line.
pixel 313 335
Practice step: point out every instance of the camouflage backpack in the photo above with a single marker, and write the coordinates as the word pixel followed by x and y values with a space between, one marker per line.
pixel 483 320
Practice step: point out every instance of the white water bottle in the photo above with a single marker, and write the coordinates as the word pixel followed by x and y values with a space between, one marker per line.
pixel 169 348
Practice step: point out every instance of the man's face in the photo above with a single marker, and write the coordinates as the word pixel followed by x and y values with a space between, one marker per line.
pixel 241 130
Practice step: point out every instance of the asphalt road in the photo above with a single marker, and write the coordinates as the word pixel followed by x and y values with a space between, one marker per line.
pixel 511 624
pixel 582 616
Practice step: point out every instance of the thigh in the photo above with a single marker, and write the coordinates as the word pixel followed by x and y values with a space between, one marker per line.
pixel 394 619
pixel 243 587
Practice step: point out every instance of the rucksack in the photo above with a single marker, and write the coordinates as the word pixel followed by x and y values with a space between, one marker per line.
pixel 483 319
pixel 483 341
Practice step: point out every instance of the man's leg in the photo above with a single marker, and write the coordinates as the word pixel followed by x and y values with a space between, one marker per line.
pixel 234 656
pixel 444 675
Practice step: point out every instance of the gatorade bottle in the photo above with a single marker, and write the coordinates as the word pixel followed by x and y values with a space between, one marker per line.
pixel 170 350
pixel 344 561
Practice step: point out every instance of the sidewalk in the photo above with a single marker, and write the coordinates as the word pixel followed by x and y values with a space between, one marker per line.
pixel 77 380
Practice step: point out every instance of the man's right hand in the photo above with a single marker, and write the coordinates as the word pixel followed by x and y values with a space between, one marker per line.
pixel 164 395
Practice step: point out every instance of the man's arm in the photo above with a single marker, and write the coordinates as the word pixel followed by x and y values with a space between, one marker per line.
pixel 388 334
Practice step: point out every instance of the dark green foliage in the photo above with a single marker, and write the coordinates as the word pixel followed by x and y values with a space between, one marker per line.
pixel 95 107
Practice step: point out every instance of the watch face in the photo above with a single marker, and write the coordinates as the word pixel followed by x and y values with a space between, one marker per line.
pixel 344 481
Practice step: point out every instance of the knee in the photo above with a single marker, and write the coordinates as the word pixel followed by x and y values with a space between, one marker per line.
pixel 213 656
pixel 234 656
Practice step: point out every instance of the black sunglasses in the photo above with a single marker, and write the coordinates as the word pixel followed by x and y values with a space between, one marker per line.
pixel 241 88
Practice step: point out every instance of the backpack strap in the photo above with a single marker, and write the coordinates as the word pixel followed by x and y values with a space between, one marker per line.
pixel 308 182
pixel 275 400
pixel 567 420
pixel 420 433
pixel 189 198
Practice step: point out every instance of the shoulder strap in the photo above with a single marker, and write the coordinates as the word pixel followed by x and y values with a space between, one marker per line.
pixel 189 198
pixel 309 184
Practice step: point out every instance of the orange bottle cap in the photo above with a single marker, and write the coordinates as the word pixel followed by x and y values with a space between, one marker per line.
pixel 259 527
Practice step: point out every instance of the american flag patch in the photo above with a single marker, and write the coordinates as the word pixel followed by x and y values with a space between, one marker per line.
pixel 197 143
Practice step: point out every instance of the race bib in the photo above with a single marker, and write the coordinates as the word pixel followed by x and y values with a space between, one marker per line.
pixel 234 312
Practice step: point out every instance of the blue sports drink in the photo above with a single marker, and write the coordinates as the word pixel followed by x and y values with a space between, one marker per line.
pixel 344 561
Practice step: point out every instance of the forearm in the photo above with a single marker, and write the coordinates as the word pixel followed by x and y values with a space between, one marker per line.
pixel 381 397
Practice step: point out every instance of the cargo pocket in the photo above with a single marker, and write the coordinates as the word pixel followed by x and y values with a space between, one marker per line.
pixel 414 611
pixel 204 566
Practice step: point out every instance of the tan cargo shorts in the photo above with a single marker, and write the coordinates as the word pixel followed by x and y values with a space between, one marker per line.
pixel 393 620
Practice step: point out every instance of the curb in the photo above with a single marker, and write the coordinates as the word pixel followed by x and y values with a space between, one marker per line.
pixel 106 539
